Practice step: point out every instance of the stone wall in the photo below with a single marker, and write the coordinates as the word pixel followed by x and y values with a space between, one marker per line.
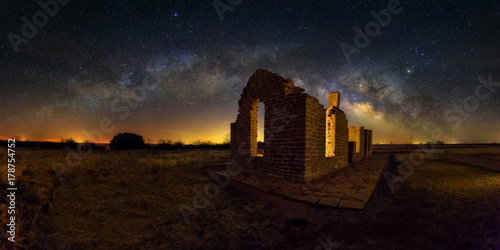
pixel 284 123
pixel 357 134
pixel 319 161
pixel 368 143
pixel 303 140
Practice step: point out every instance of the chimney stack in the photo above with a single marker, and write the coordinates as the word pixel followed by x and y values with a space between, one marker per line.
pixel 334 99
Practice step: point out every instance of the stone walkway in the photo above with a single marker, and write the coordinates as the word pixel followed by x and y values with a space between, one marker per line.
pixel 349 187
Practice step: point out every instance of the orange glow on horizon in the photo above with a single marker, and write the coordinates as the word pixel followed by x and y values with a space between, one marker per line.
pixel 5 138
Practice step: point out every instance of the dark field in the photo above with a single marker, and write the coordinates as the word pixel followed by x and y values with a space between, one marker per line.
pixel 131 199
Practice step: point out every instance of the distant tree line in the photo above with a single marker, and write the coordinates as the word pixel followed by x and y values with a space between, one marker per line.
pixel 134 141
pixel 168 144
pixel 57 145
pixel 127 141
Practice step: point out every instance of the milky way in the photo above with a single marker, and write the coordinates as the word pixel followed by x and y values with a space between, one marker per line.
pixel 175 70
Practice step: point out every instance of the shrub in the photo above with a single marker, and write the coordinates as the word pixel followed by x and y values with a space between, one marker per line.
pixel 127 141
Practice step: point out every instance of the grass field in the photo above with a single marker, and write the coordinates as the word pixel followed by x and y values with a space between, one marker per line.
pixel 486 153
pixel 131 199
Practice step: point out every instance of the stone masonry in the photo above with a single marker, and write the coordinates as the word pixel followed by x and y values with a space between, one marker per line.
pixel 303 141
pixel 362 140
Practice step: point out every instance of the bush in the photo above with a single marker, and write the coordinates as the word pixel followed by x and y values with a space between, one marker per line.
pixel 70 142
pixel 127 141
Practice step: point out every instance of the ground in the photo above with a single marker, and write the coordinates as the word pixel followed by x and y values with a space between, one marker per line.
pixel 132 199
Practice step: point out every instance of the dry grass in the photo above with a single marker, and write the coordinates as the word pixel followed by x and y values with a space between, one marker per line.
pixel 130 199
pixel 36 183
pixel 449 205
pixel 486 153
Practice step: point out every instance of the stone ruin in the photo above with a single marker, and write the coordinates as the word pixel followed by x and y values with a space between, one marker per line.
pixel 303 141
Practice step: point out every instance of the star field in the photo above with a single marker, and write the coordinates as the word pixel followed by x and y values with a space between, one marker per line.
pixel 174 70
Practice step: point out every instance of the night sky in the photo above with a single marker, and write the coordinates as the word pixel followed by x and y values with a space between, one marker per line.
pixel 175 70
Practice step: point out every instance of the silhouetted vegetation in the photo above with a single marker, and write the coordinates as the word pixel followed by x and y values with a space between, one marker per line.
pixel 70 142
pixel 169 145
pixel 88 145
pixel 226 139
pixel 127 141
pixel 37 144
pixel 179 144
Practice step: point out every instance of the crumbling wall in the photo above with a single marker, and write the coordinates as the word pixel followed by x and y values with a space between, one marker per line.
pixel 341 138
pixel 284 123
pixel 358 135
pixel 303 140
pixel 368 143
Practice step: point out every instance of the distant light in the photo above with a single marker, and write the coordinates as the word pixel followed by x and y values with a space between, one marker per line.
pixel 409 71
pixel 175 14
